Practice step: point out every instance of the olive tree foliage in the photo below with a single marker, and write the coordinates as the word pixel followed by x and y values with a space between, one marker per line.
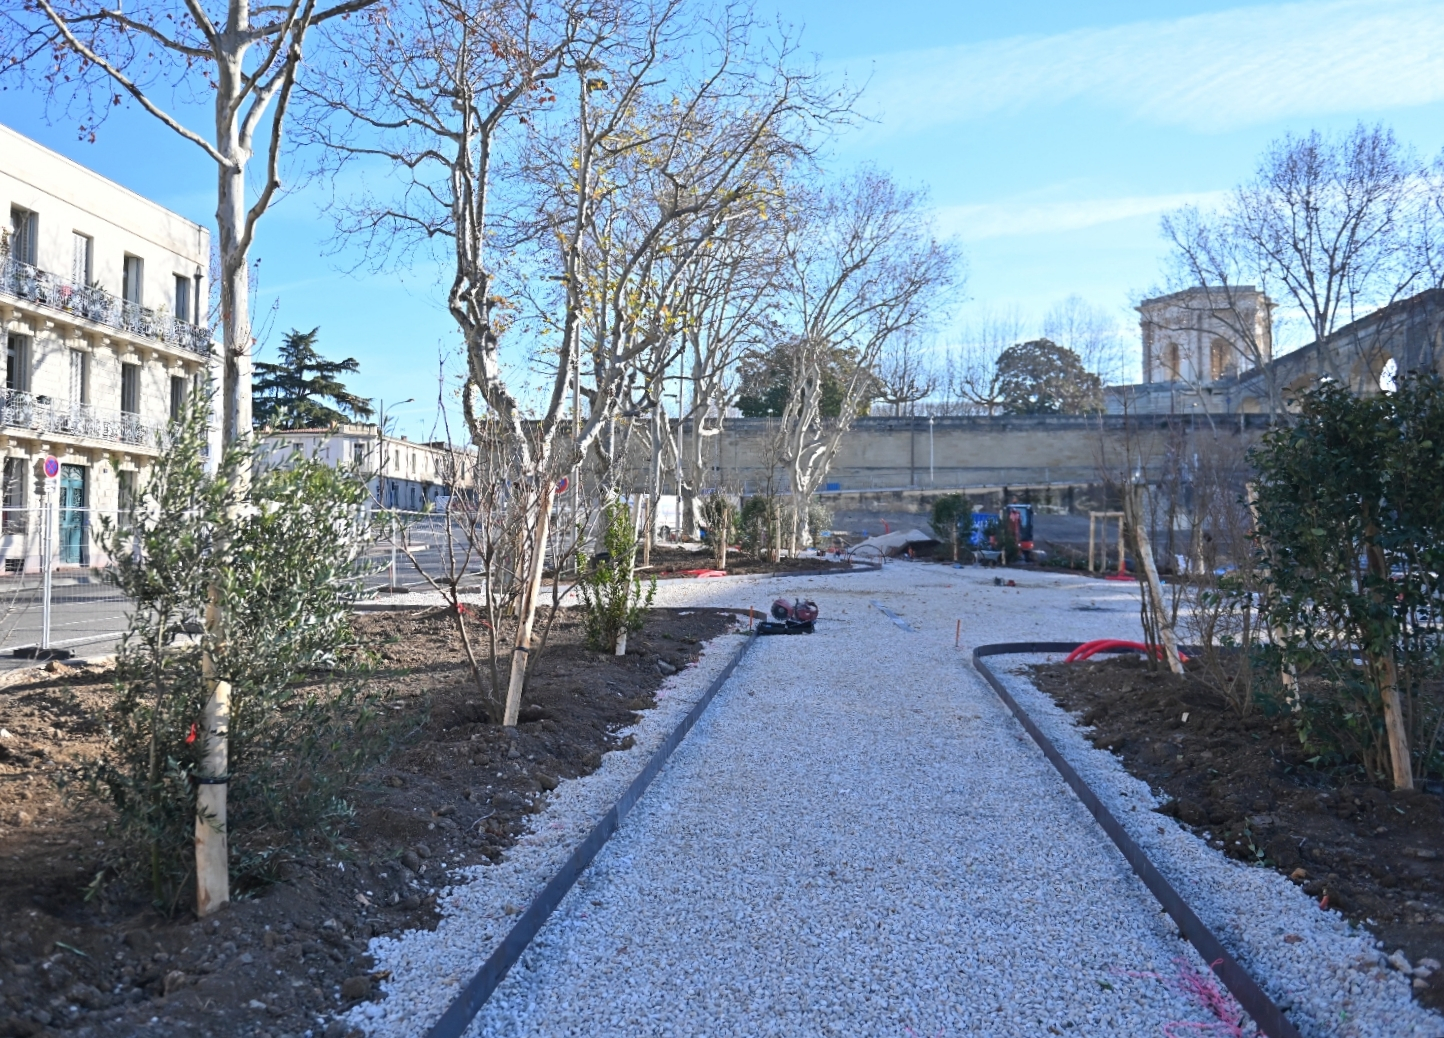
pixel 1329 227
pixel 287 570
pixel 236 60
pixel 1350 507
pixel 570 160
pixel 861 267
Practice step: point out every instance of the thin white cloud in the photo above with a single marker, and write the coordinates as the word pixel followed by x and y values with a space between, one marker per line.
pixel 1210 72
pixel 1022 216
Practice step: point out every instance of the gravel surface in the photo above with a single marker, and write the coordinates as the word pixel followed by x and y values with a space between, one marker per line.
pixel 857 839
pixel 1334 975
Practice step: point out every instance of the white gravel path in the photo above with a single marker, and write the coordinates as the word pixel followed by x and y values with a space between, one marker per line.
pixel 857 839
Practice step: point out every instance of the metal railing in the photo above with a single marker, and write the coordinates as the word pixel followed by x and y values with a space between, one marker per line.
pixel 55 593
pixel 19 410
pixel 29 282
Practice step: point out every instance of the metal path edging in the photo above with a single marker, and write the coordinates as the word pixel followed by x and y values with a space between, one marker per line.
pixel 1250 996
pixel 454 1022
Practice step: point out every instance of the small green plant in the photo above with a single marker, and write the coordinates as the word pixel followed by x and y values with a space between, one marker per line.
pixel 952 520
pixel 613 601
pixel 719 515
pixel 759 524
pixel 283 569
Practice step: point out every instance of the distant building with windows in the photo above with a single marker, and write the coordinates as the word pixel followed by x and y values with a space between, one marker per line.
pixel 400 473
pixel 103 311
pixel 1210 351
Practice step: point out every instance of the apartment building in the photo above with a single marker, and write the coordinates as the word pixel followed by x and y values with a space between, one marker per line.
pixel 412 477
pixel 103 312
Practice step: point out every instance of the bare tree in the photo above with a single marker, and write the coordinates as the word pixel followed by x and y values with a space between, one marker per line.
pixel 726 314
pixel 1092 333
pixel 972 380
pixel 862 266
pixel 1329 224
pixel 618 161
pixel 905 375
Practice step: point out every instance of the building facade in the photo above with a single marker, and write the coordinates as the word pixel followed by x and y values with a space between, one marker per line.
pixel 1202 335
pixel 103 301
pixel 401 474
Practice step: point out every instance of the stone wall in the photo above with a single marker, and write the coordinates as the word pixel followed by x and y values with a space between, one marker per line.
pixel 971 452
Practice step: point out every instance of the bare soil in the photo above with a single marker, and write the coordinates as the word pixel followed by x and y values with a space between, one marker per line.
pixel 1244 782
pixel 455 792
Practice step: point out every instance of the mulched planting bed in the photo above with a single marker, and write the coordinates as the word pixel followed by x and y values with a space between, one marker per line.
pixel 454 792
pixel 1245 784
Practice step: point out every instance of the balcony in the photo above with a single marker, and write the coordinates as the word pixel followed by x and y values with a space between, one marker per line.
pixel 95 304
pixel 40 415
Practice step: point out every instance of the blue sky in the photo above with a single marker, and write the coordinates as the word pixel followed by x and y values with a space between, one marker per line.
pixel 1050 134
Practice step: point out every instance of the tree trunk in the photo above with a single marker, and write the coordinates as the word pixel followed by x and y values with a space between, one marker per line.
pixel 529 596
pixel 1153 587
pixel 1385 667
pixel 212 845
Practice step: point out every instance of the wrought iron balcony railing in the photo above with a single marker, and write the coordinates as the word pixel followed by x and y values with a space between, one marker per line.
pixel 26 411
pixel 96 304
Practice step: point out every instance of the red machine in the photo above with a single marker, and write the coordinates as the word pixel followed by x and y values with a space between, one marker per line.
pixel 794 617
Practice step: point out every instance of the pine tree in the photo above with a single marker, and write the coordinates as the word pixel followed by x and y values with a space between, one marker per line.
pixel 293 393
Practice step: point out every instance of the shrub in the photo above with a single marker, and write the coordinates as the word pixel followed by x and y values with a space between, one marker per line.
pixel 759 523
pixel 952 520
pixel 613 601
pixel 283 569
pixel 1350 504
pixel 719 515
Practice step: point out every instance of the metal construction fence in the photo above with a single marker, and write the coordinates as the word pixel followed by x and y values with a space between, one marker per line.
pixel 55 597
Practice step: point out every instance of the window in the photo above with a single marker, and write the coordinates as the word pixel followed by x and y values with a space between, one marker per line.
pixel 80 260
pixel 177 397
pixel 182 298
pixel 133 280
pixel 1170 362
pixel 17 363
pixel 23 232
pixel 16 476
pixel 125 497
pixel 130 388
pixel 1218 351
pixel 79 377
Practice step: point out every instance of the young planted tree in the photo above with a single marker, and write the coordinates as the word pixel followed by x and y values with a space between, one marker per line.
pixel 1350 507
pixel 287 573
pixel 244 58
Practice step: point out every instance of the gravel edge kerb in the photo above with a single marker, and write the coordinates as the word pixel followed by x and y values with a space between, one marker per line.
pixel 456 1020
pixel 1240 983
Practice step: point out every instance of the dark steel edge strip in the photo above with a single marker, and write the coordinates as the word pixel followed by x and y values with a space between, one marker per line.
pixel 453 1023
pixel 1268 1016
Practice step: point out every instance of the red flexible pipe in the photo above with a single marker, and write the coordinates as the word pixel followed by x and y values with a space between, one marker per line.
pixel 1087 649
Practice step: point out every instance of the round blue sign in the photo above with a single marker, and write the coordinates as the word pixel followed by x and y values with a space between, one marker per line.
pixel 52 467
